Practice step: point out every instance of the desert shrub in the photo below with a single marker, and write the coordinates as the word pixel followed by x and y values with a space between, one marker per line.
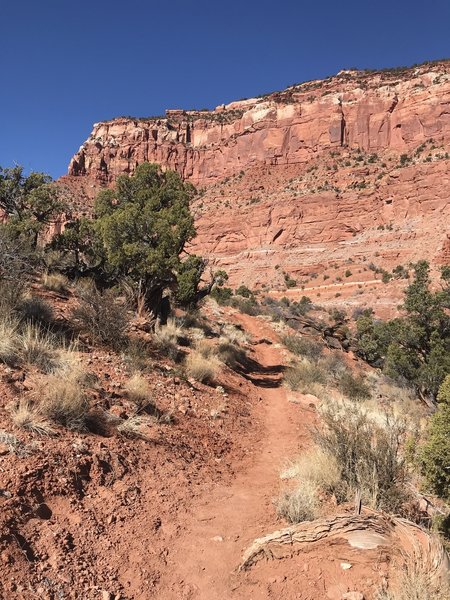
pixel 334 364
pixel 38 347
pixel 55 282
pixel 302 376
pixel 299 504
pixel 248 306
pixel 101 315
pixel 244 291
pixel 222 295
pixel 136 355
pixel 62 400
pixel 303 346
pixel 318 467
pixel 367 453
pixel 9 340
pixel 435 454
pixel 35 310
pixel 200 368
pixel 415 583
pixel 353 386
pixel 25 415
pixel 230 354
pixel 138 391
pixel 166 339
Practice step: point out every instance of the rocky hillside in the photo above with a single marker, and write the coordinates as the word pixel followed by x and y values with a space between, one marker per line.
pixel 298 185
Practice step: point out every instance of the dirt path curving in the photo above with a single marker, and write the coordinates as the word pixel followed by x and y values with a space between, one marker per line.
pixel 203 558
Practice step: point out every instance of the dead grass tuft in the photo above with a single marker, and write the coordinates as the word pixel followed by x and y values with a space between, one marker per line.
pixel 25 415
pixel 138 391
pixel 9 340
pixel 300 504
pixel 416 584
pixel 38 347
pixel 200 368
pixel 62 400
pixel 302 376
pixel 317 467
pixel 55 282
pixel 166 339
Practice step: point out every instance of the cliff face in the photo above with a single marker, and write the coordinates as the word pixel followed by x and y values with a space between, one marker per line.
pixel 350 167
pixel 369 111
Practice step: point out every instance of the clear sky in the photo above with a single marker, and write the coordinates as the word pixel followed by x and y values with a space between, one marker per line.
pixel 67 65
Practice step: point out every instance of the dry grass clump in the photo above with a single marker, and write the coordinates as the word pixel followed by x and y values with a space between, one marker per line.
pixel 234 334
pixel 38 347
pixel 367 453
pixel 62 400
pixel 416 584
pixel 200 368
pixel 319 468
pixel 55 282
pixel 102 315
pixel 138 391
pixel 166 339
pixel 303 346
pixel 205 348
pixel 302 376
pixel 9 340
pixel 229 353
pixel 35 310
pixel 300 504
pixel 26 415
pixel 132 427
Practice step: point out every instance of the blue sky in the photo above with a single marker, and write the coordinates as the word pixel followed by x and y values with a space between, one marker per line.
pixel 66 65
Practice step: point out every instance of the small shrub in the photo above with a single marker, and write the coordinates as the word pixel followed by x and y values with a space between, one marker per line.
pixel 230 354
pixel 300 504
pixel 9 340
pixel 354 386
pixel 55 282
pixel 101 315
pixel 200 368
pixel 166 339
pixel 26 416
pixel 136 355
pixel 301 377
pixel 317 467
pixel 367 453
pixel 334 364
pixel 248 306
pixel 38 347
pixel 62 400
pixel 222 295
pixel 303 346
pixel 138 390
pixel 35 310
pixel 244 291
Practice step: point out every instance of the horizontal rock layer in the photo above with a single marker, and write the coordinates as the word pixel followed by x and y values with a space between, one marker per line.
pixel 351 168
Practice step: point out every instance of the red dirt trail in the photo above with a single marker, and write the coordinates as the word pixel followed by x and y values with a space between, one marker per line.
pixel 203 560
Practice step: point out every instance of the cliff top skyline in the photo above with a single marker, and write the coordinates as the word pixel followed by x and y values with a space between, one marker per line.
pixel 70 69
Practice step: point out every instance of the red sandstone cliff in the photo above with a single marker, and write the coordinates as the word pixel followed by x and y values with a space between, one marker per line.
pixel 305 178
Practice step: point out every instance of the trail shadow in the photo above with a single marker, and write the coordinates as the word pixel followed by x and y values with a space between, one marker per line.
pixel 258 374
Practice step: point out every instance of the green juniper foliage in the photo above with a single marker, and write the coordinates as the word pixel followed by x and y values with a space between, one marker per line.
pixel 415 347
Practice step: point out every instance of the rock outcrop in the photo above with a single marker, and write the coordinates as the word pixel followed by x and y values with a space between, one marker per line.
pixel 350 168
